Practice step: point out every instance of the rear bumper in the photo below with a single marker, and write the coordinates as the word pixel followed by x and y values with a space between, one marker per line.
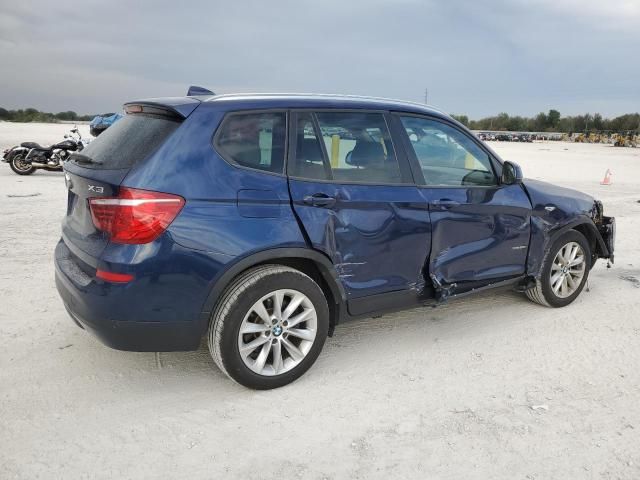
pixel 95 305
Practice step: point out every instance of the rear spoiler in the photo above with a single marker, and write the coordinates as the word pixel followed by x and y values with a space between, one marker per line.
pixel 179 107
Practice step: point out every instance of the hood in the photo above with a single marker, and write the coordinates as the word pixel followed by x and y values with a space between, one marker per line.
pixel 566 203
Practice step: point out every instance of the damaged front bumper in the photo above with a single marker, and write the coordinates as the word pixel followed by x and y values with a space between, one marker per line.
pixel 607 229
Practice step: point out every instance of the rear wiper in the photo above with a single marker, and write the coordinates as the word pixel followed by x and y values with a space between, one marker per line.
pixel 80 158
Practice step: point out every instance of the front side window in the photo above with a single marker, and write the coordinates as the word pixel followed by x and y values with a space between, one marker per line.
pixel 447 156
pixel 346 147
pixel 254 140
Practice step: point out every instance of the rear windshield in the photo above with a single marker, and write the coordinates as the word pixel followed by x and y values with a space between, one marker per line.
pixel 129 140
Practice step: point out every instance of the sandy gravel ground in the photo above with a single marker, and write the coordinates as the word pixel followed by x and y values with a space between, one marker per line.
pixel 486 387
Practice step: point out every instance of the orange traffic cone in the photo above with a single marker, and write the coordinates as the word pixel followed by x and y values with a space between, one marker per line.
pixel 607 178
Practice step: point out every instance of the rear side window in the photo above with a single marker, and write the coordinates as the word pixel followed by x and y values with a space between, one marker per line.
pixel 310 162
pixel 129 140
pixel 346 147
pixel 253 140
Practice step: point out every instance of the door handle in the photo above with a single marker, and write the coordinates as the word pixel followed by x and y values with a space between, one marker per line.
pixel 319 200
pixel 445 203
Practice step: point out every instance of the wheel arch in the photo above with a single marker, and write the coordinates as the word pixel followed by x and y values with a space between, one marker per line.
pixel 312 263
pixel 591 234
pixel 586 227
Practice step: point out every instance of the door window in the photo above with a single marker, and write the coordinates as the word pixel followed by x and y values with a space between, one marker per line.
pixel 447 156
pixel 254 140
pixel 310 162
pixel 346 147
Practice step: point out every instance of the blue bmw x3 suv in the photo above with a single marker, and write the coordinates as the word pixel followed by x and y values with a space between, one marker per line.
pixel 260 222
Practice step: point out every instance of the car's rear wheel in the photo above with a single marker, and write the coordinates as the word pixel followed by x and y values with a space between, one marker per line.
pixel 564 272
pixel 269 327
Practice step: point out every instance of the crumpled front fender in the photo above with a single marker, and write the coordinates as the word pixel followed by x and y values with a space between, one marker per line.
pixel 555 210
pixel 544 234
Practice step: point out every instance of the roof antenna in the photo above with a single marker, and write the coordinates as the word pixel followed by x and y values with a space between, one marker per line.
pixel 195 90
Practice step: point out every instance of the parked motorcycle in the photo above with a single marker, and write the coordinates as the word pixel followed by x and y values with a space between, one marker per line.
pixel 30 156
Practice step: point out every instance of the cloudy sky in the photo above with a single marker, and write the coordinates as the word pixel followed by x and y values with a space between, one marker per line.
pixel 475 57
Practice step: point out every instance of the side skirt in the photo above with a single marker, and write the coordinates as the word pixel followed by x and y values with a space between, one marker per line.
pixel 378 305
pixel 521 283
pixel 374 305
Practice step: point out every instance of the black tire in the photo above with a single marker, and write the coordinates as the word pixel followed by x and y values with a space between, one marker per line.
pixel 238 299
pixel 543 293
pixel 17 167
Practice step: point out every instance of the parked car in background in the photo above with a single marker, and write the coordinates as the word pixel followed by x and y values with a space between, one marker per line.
pixel 261 222
pixel 101 122
pixel 521 137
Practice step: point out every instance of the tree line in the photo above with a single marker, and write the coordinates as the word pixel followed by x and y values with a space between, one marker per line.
pixel 554 122
pixel 33 115
pixel 543 122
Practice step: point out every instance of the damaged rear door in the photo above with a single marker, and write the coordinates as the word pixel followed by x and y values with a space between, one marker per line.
pixel 480 227
pixel 354 195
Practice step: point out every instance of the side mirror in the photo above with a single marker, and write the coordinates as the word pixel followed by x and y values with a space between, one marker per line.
pixel 511 173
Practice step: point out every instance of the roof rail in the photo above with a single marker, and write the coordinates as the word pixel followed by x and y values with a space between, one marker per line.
pixel 329 95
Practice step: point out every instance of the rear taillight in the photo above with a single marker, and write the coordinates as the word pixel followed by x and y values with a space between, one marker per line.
pixel 113 277
pixel 135 216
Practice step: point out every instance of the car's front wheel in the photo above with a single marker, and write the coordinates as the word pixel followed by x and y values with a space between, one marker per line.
pixel 564 272
pixel 269 327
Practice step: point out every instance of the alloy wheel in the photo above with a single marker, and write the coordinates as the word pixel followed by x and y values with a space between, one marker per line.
pixel 567 270
pixel 278 332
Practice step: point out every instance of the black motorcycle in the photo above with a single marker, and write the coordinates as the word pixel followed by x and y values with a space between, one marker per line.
pixel 30 156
